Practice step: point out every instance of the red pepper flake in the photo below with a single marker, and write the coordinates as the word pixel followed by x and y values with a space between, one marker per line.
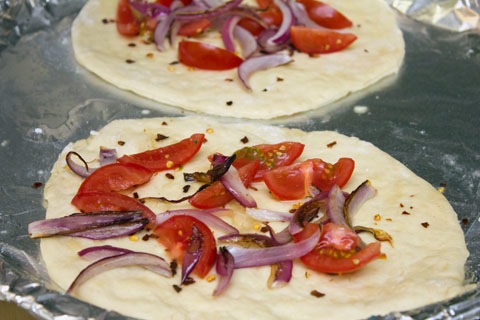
pixel 465 221
pixel 146 237
pixel 244 140
pixel 135 195
pixel 104 20
pixel 229 79
pixel 229 103
pixel 164 123
pixel 425 224
pixel 406 212
pixel 149 55
pixel 265 90
pixel 174 63
pixel 177 288
pixel 131 44
pixel 189 281
pixel 186 188
pixel 279 79
pixel 160 137
pixel 366 50
pixel 173 267
pixel 130 61
pixel 331 144
pixel 37 185
pixel 402 205
pixel 121 143
pixel 317 294
pixel 169 176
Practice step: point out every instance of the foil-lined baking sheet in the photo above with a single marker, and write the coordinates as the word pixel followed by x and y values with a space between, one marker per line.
pixel 427 117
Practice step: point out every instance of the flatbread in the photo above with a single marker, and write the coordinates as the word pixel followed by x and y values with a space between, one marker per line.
pixel 307 83
pixel 425 264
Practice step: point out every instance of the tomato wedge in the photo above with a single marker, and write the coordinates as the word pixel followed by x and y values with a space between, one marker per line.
pixel 127 23
pixel 293 182
pixel 110 201
pixel 193 28
pixel 115 177
pixel 168 157
pixel 270 12
pixel 216 195
pixel 270 156
pixel 175 233
pixel 316 41
pixel 325 15
pixel 335 251
pixel 206 56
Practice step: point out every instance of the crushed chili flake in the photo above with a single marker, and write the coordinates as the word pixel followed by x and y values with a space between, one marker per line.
pixel 169 176
pixel 121 143
pixel 189 281
pixel 177 288
pixel 465 221
pixel 149 55
pixel 317 294
pixel 405 212
pixel 365 50
pixel 146 237
pixel 265 90
pixel 164 123
pixel 130 61
pixel 401 205
pixel 279 79
pixel 186 188
pixel 425 224
pixel 229 79
pixel 160 137
pixel 229 103
pixel 174 63
pixel 131 44
pixel 37 185
pixel 104 20
pixel 173 267
pixel 244 139
pixel 331 144
pixel 135 195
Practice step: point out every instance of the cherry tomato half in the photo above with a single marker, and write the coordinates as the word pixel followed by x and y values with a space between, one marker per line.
pixel 316 41
pixel 325 15
pixel 293 182
pixel 193 28
pixel 332 254
pixel 168 157
pixel 216 195
pixel 175 233
pixel 270 156
pixel 206 56
pixel 115 177
pixel 127 23
pixel 111 201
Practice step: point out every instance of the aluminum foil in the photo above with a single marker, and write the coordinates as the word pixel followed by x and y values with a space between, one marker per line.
pixel 427 117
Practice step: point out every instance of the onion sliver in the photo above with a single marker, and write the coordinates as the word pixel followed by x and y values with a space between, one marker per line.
pixel 266 215
pixel 356 199
pixel 335 205
pixel 251 65
pixel 109 232
pixel 208 13
pixel 81 170
pixel 248 43
pixel 288 20
pixel 224 267
pixel 227 32
pixel 107 156
pixel 205 216
pixel 255 257
pixel 280 274
pixel 99 252
pixel 233 183
pixel 153 262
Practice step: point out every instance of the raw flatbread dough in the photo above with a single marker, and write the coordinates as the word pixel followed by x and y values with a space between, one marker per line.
pixel 308 83
pixel 425 265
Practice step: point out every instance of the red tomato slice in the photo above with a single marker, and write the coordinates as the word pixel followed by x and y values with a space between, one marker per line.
pixel 169 157
pixel 315 41
pixel 175 233
pixel 115 177
pixel 216 195
pixel 293 182
pixel 206 56
pixel 110 201
pixel 193 28
pixel 270 156
pixel 329 257
pixel 127 23
pixel 325 15
pixel 251 26
pixel 325 175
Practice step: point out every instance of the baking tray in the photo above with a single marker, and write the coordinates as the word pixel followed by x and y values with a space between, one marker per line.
pixel 427 117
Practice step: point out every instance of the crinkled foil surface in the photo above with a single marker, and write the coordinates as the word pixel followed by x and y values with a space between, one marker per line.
pixel 428 117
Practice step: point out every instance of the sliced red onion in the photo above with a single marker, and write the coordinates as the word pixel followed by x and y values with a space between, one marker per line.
pixel 192 254
pixel 227 32
pixel 254 64
pixel 233 183
pixel 208 13
pixel 161 30
pixel 99 252
pixel 301 15
pixel 153 262
pixel 247 41
pixel 79 222
pixel 109 232
pixel 247 240
pixel 206 216
pixel 151 9
pixel 224 267
pixel 81 170
pixel 256 257
pixel 107 156
pixel 335 205
pixel 266 215
pixel 356 199
pixel 307 212
pixel 279 238
pixel 280 275
pixel 288 20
